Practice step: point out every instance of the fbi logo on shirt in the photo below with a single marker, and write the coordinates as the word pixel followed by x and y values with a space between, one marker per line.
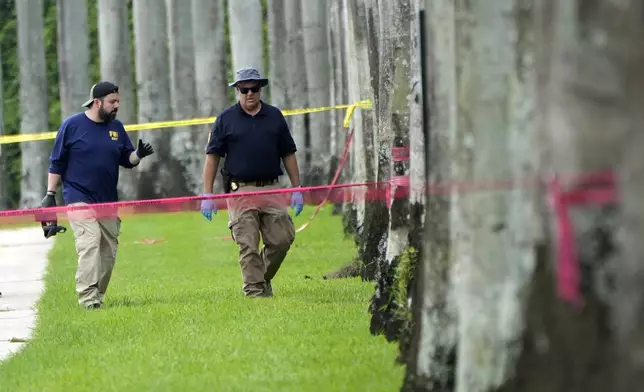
pixel 114 135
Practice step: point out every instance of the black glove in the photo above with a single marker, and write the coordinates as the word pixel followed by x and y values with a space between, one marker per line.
pixel 144 149
pixel 49 200
pixel 49 222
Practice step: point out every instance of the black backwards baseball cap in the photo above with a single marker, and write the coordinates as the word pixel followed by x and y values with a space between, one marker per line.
pixel 99 90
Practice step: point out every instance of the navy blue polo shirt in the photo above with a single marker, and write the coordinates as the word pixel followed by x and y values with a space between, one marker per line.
pixel 87 156
pixel 252 145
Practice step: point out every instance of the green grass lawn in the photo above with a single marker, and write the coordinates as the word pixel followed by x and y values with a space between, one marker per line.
pixel 175 318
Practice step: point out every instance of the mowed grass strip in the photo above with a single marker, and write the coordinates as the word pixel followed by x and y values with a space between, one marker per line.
pixel 175 318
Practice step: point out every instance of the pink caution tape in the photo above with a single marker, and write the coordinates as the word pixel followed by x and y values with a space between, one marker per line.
pixel 591 189
pixel 312 194
pixel 345 154
pixel 400 154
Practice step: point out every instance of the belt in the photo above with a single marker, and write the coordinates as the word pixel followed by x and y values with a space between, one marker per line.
pixel 234 184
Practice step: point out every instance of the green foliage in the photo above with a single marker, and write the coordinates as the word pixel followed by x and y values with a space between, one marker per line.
pixel 94 51
pixel 403 276
pixel 51 64
pixel 229 52
pixel 265 37
pixel 11 95
pixel 175 318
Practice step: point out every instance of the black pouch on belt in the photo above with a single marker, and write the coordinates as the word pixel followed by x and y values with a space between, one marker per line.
pixel 225 176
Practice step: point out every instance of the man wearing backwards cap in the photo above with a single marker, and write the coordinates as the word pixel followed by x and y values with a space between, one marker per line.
pixel 254 138
pixel 88 150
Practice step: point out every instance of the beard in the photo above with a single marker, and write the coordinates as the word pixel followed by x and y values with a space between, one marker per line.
pixel 107 116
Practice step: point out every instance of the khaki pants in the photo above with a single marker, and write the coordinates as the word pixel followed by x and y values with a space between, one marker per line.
pixel 96 243
pixel 248 218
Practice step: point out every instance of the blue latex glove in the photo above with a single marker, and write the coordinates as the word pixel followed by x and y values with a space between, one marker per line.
pixel 208 207
pixel 297 202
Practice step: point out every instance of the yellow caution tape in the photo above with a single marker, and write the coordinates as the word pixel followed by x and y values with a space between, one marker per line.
pixel 366 104
pixel 8 139
pixel 30 137
pixel 348 116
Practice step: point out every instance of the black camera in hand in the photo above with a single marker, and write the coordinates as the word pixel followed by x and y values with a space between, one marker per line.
pixel 49 221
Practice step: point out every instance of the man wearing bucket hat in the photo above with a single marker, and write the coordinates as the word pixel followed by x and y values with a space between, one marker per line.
pixel 254 138
pixel 88 150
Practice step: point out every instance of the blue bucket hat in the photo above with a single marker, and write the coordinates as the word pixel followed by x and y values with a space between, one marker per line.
pixel 248 74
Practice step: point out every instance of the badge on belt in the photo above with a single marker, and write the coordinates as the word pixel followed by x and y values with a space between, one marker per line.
pixel 233 186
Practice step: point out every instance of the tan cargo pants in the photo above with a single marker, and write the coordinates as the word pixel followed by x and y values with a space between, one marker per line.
pixel 248 218
pixel 96 243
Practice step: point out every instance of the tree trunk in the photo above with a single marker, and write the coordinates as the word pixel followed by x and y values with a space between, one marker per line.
pixel 417 170
pixel 278 45
pixel 73 55
pixel 495 273
pixel 417 193
pixel 355 43
pixel 590 100
pixel 318 65
pixel 186 144
pixel 278 62
pixel 629 321
pixel 116 66
pixel 33 101
pixel 360 87
pixel 4 168
pixel 297 81
pixel 393 131
pixel 338 93
pixel 373 228
pixel 431 357
pixel 246 37
pixel 159 176
pixel 211 67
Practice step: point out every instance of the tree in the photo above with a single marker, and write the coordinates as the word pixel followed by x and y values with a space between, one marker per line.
pixel 114 38
pixel 73 55
pixel 246 38
pixel 430 357
pixel 495 253
pixel 211 66
pixel 159 174
pixel 186 145
pixel 3 155
pixel 392 130
pixel 278 63
pixel 296 90
pixel 406 284
pixel 33 101
pixel 336 30
pixel 590 88
pixel 318 79
pixel 366 220
pixel 277 47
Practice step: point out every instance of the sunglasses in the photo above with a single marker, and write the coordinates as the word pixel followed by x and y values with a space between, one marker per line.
pixel 245 90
